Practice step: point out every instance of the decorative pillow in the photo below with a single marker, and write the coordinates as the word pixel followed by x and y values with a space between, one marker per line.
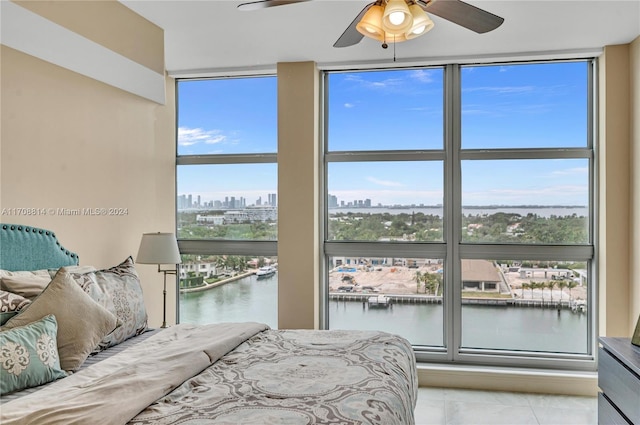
pixel 7 273
pixel 73 269
pixel 29 355
pixel 28 286
pixel 118 290
pixel 10 304
pixel 82 322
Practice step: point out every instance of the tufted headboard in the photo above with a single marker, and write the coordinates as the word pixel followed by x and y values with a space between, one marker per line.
pixel 30 248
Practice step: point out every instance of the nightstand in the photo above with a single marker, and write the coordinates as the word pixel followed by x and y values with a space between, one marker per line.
pixel 619 380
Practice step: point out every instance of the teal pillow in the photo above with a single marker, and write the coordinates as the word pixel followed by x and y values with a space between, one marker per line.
pixel 29 355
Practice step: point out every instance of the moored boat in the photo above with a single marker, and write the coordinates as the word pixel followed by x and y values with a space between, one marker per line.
pixel 265 272
pixel 379 301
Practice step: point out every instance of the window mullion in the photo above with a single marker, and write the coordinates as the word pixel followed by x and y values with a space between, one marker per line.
pixel 453 210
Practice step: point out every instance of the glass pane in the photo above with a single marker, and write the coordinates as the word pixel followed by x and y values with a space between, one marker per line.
pixel 232 115
pixel 230 201
pixel 386 110
pixel 228 288
pixel 525 305
pixel 526 201
pixel 525 105
pixel 385 201
pixel 398 295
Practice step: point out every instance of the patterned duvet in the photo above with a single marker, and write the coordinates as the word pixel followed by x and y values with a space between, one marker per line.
pixel 242 373
pixel 299 377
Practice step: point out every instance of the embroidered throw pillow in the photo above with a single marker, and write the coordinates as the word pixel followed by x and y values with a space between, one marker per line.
pixel 118 290
pixel 29 355
pixel 10 304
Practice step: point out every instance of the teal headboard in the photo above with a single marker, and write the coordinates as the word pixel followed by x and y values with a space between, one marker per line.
pixel 30 248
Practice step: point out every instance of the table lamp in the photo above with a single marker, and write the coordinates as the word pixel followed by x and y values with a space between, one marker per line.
pixel 160 248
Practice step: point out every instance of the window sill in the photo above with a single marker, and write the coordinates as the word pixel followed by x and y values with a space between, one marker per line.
pixel 508 379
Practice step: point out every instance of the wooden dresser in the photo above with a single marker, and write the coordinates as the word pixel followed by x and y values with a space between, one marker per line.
pixel 619 382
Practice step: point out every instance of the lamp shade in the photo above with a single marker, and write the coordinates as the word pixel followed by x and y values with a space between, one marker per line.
pixel 421 22
pixel 396 19
pixel 371 23
pixel 158 248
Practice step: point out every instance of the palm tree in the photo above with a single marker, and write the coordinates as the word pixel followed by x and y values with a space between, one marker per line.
pixel 221 262
pixel 525 286
pixel 561 285
pixel 532 285
pixel 571 284
pixel 418 279
pixel 550 285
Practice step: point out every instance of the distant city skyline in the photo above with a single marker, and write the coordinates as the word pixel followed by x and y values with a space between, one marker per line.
pixel 191 201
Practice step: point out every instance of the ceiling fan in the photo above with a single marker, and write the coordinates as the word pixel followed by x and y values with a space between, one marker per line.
pixel 456 11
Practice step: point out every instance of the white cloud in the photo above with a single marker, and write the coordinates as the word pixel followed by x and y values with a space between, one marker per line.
pixel 377 85
pixel 571 171
pixel 386 183
pixel 349 105
pixel 422 76
pixel 192 136
pixel 502 89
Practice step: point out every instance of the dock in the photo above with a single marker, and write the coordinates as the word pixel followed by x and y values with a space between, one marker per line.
pixel 577 306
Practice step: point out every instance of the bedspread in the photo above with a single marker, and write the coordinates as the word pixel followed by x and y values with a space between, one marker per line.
pixel 235 373
pixel 299 377
pixel 115 390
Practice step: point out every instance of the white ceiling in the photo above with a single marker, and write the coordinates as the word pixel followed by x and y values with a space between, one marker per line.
pixel 213 36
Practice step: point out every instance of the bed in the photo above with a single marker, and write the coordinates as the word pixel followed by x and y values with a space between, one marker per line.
pixel 75 348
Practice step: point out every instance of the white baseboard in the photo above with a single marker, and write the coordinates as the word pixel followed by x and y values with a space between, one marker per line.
pixel 508 379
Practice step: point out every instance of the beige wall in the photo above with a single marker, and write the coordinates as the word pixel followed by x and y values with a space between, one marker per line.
pixel 298 197
pixel 634 112
pixel 71 142
pixel 614 181
pixel 619 176
pixel 110 24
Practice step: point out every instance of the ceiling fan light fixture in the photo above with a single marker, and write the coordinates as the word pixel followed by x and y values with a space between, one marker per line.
pixel 397 17
pixel 421 22
pixel 371 23
pixel 395 38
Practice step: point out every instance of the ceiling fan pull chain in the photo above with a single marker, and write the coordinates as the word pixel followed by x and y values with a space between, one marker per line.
pixel 394 48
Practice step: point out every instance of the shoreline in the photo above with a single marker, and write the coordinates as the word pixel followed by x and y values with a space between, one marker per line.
pixel 399 285
pixel 208 286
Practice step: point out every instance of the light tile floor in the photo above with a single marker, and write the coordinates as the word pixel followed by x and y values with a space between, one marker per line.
pixel 447 406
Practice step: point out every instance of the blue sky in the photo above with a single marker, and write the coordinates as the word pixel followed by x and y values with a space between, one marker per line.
pixel 532 105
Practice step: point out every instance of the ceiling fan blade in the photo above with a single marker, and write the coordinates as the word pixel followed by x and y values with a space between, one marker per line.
pixel 463 14
pixel 263 4
pixel 351 36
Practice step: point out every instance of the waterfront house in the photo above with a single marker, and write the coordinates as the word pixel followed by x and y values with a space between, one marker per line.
pixel 480 275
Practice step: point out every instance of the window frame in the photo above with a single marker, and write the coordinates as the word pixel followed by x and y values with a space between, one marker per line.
pixel 267 248
pixel 452 250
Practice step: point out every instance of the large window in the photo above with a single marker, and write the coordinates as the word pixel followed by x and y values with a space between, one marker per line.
pixel 227 202
pixel 460 210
